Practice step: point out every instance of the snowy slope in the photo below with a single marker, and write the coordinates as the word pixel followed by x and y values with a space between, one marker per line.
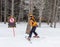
pixel 49 37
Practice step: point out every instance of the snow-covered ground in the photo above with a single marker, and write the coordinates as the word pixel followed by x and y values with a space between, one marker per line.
pixel 49 37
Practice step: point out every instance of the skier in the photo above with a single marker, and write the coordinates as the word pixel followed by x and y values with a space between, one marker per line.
pixel 11 21
pixel 33 25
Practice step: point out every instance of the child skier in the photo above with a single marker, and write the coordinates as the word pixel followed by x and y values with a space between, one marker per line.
pixel 33 25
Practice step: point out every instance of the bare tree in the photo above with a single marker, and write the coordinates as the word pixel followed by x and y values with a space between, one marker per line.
pixel 54 10
pixel 21 6
pixel 50 11
pixel 5 12
pixel 12 9
pixel 1 10
pixel 55 21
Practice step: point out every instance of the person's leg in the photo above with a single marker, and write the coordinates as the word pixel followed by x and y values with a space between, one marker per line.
pixel 34 31
pixel 30 34
pixel 36 35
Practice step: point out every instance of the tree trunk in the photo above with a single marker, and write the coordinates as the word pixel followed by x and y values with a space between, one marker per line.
pixel 59 18
pixel 41 7
pixel 19 11
pixel 12 9
pixel 5 12
pixel 54 10
pixel 1 10
pixel 51 20
pixel 56 15
pixel 40 16
pixel 20 17
pixel 50 14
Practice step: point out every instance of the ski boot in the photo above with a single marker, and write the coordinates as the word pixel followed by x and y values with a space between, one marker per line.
pixel 36 36
pixel 29 39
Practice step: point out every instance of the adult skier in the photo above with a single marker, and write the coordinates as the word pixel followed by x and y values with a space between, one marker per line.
pixel 33 25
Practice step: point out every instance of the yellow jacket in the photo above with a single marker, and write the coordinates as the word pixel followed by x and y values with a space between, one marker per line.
pixel 33 23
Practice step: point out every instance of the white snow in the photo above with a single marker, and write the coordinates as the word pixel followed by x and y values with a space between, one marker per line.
pixel 49 37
